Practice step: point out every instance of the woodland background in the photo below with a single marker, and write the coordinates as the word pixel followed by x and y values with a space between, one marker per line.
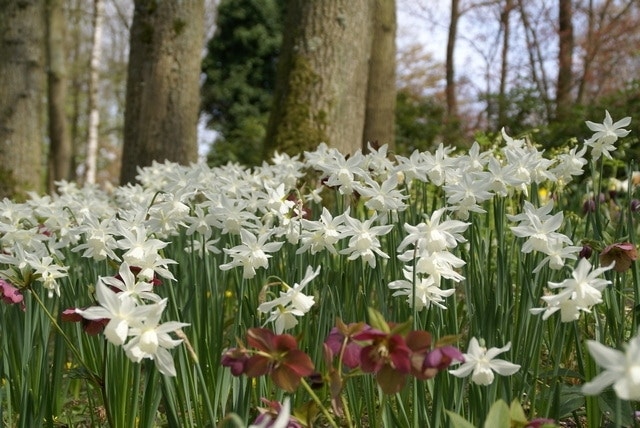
pixel 92 89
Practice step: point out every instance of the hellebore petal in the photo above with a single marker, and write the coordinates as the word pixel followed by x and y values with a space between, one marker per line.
pixel 390 380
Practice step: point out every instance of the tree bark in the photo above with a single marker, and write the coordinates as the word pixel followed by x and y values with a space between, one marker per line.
pixel 450 89
pixel 565 59
pixel 59 140
pixel 322 77
pixel 91 160
pixel 22 27
pixel 504 66
pixel 379 124
pixel 162 101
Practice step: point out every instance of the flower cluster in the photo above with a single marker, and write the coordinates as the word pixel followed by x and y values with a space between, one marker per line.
pixel 426 252
pixel 254 222
pixel 578 293
pixel 291 303
pixel 276 355
pixel 540 229
pixel 391 352
pixel 605 135
pixel 129 321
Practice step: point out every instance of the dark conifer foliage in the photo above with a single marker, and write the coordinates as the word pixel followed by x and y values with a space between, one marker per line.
pixel 240 69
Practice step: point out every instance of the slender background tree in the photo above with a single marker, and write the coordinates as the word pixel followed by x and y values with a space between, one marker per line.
pixel 94 82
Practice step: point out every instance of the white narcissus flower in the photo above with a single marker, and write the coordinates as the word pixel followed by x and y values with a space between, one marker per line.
pixel 606 133
pixel 435 233
pixel 427 291
pixel 251 254
pixel 364 240
pixel 570 164
pixel 342 172
pixel 621 369
pixel 121 310
pixel 136 243
pixel 49 272
pixel 130 285
pixel 539 227
pixel 290 304
pixel 578 293
pixel 321 234
pixel 480 363
pixel 281 421
pixel 382 197
pixel 99 242
pixel 150 339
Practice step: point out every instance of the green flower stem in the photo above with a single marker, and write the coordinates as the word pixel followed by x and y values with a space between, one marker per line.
pixel 347 412
pixel 596 199
pixel 315 398
pixel 383 406
pixel 92 376
pixel 105 395
pixel 342 399
pixel 207 399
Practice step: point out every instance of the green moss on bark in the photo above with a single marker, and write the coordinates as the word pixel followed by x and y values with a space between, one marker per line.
pixel 178 26
pixel 300 127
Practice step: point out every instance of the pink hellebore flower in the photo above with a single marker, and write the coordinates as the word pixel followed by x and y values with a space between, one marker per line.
pixel 388 356
pixel 624 254
pixel 342 336
pixel 10 294
pixel 278 356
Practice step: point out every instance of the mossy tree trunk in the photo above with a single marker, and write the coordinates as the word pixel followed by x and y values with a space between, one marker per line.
pixel 162 101
pixel 22 29
pixel 379 125
pixel 322 76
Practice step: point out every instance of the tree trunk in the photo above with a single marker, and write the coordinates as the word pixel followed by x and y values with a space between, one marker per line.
pixel 450 89
pixel 91 160
pixel 59 141
pixel 565 57
pixel 379 124
pixel 76 88
pixel 22 27
pixel 504 67
pixel 322 76
pixel 162 101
